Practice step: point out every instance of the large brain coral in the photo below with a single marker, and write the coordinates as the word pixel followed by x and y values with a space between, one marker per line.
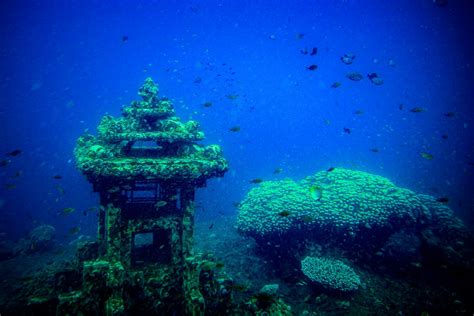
pixel 349 200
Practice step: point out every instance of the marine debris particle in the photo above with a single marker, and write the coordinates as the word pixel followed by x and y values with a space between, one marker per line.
pixel 14 153
pixel 314 51
pixel 375 78
pixel 336 84
pixel 417 109
pixel 316 192
pixel 235 129
pixel 312 67
pixel 426 155
pixel 256 181
pixel 348 58
pixel 354 76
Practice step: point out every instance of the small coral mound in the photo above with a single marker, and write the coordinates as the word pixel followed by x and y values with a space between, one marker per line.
pixel 330 273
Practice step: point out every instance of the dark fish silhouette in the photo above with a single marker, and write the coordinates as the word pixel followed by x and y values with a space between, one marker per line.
pixel 347 130
pixel 449 114
pixel 14 153
pixel 124 39
pixel 330 169
pixel 443 199
pixel 235 128
pixel 314 51
pixel 312 67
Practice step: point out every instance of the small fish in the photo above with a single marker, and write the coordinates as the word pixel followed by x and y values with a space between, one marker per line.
pixel 272 37
pixel 417 110
pixel 114 189
pixel 426 155
pixel 354 76
pixel 207 104
pixel 240 288
pixel 443 199
pixel 327 122
pixel 4 162
pixel 235 128
pixel 375 78
pixel 197 80
pixel 284 213
pixel 444 136
pixel 348 58
pixel 236 204
pixel 60 189
pixel 359 112
pixel 347 130
pixel 173 197
pixel 160 204
pixel 312 67
pixel 14 153
pixel 57 177
pixel 74 230
pixel 10 186
pixel 304 51
pixel 210 226
pixel 449 114
pixel 392 63
pixel 314 51
pixel 307 219
pixel 219 265
pixel 277 170
pixel 17 174
pixel 124 39
pixel 374 150
pixel 401 106
pixel 330 169
pixel 67 210
pixel 232 96
pixel 316 192
pixel 256 181
pixel 299 36
pixel 336 84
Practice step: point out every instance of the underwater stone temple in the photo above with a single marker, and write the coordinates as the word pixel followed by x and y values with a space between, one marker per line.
pixel 146 167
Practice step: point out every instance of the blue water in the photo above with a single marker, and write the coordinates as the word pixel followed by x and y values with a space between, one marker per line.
pixel 64 64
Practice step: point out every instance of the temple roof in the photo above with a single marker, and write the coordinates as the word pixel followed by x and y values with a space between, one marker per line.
pixel 148 142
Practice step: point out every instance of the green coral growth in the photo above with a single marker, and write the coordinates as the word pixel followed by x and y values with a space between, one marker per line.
pixel 175 155
pixel 349 199
pixel 330 273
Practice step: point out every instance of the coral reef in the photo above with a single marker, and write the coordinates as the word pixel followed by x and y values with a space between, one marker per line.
pixel 350 200
pixel 39 239
pixel 330 273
